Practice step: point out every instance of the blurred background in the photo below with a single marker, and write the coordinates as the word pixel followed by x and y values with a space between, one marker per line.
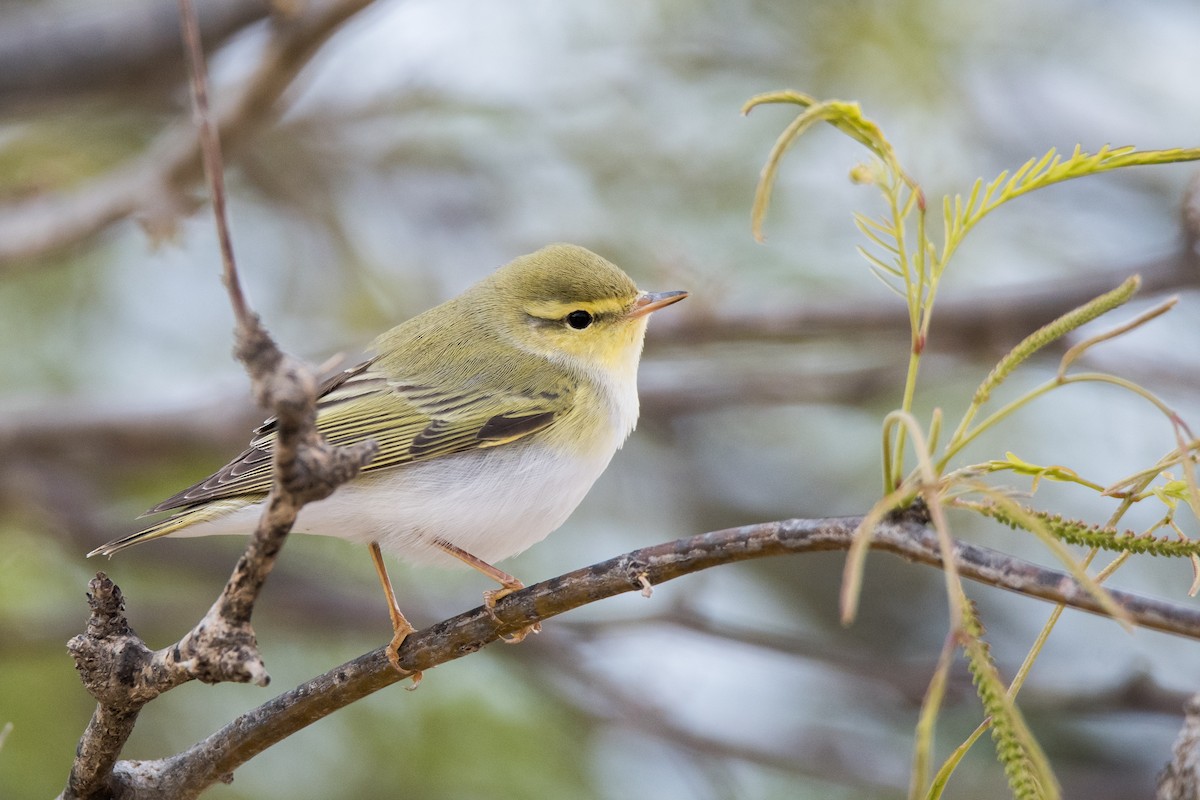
pixel 425 143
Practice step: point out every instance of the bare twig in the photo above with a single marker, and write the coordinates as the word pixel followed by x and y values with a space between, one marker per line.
pixel 210 157
pixel 116 666
pixel 185 774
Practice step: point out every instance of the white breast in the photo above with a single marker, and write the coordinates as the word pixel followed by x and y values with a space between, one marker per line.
pixel 492 503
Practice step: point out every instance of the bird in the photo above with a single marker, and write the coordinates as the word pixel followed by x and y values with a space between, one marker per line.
pixel 494 413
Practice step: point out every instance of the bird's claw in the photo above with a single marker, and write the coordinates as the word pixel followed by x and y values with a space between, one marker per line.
pixel 489 602
pixel 393 655
pixel 518 636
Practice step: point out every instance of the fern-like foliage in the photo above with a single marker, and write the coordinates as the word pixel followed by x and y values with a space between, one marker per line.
pixel 1025 765
pixel 1078 532
pixel 1037 173
pixel 1052 332
pixel 904 255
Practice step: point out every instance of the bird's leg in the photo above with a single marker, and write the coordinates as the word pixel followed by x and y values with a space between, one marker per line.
pixel 507 582
pixel 401 627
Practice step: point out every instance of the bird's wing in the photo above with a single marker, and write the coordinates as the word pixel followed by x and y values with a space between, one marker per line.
pixel 409 421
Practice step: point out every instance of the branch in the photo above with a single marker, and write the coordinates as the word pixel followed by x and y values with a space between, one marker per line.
pixel 47 50
pixel 127 430
pixel 186 774
pixel 117 668
pixel 1180 778
pixel 51 51
pixel 826 753
pixel 980 320
pixel 909 677
pixel 152 186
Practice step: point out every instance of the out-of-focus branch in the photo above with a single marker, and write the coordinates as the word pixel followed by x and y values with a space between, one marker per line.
pixel 85 432
pixel 47 50
pixel 993 319
pixel 152 186
pixel 810 751
pixel 806 747
pixel 910 538
pixel 73 429
pixel 981 320
pixel 71 432
pixel 1137 692
pixel 1180 778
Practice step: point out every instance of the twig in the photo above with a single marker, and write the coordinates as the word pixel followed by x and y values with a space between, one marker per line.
pixel 115 665
pixel 210 157
pixel 117 707
pixel 256 730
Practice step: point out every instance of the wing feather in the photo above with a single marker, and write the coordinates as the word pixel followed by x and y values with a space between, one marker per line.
pixel 409 421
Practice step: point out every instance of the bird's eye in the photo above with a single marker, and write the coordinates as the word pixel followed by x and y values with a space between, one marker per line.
pixel 579 319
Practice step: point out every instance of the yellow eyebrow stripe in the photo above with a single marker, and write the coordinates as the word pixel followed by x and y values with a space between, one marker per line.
pixel 553 309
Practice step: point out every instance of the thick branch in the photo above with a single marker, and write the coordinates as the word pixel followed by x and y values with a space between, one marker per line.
pixel 186 774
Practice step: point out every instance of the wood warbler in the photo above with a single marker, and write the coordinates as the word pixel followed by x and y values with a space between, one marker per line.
pixel 494 413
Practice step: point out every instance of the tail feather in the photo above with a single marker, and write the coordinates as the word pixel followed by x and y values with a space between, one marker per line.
pixel 172 524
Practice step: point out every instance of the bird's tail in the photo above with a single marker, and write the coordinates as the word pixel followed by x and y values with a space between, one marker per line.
pixel 172 525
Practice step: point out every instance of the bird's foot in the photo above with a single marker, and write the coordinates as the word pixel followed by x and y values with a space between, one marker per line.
pixel 489 602
pixel 393 654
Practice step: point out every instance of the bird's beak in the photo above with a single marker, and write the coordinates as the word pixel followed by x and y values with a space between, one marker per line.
pixel 653 301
